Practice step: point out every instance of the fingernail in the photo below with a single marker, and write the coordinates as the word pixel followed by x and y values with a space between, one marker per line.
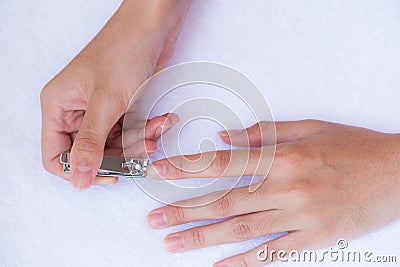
pixel 174 119
pixel 234 132
pixel 106 180
pixel 223 133
pixel 84 168
pixel 157 220
pixel 174 243
pixel 82 178
pixel 80 189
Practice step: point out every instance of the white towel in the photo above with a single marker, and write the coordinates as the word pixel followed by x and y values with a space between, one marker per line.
pixel 331 60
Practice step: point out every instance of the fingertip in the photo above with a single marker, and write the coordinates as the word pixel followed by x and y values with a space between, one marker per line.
pixel 236 137
pixel 106 180
pixel 222 264
pixel 80 189
pixel 156 126
pixel 150 146
pixel 82 177
pixel 156 171
pixel 160 124
pixel 223 133
pixel 224 136
pixel 173 117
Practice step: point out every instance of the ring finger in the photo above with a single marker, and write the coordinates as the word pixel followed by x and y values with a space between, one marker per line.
pixel 237 229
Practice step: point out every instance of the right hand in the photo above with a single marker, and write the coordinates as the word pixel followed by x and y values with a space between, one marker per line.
pixel 83 105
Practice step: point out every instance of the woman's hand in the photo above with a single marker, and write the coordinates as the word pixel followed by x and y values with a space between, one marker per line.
pixel 82 107
pixel 327 181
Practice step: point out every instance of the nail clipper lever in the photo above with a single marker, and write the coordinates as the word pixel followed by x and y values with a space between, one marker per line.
pixel 115 166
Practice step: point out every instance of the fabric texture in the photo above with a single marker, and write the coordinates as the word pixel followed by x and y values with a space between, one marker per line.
pixel 333 60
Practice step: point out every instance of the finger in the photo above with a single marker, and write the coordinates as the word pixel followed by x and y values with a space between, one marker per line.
pixel 106 180
pixel 296 240
pixel 172 117
pixel 263 133
pixel 53 144
pixel 239 162
pixel 159 125
pixel 87 149
pixel 237 229
pixel 153 129
pixel 114 138
pixel 238 201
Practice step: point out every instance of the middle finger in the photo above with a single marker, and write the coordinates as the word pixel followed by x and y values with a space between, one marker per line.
pixel 237 229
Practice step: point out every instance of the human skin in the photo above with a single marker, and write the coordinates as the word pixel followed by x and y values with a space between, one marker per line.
pixel 83 105
pixel 327 181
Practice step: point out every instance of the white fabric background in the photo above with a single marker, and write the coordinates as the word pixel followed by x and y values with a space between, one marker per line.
pixel 331 60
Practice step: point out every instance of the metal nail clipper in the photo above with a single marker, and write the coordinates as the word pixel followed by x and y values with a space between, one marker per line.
pixel 115 166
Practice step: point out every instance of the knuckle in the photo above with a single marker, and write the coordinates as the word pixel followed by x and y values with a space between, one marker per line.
pixel 269 225
pixel 221 207
pixel 177 215
pixel 221 162
pixel 87 143
pixel 173 167
pixel 197 236
pixel 294 156
pixel 302 193
pixel 241 229
pixel 317 124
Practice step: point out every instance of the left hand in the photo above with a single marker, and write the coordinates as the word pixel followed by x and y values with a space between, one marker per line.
pixel 327 181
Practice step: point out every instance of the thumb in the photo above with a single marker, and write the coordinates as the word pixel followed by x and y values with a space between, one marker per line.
pixel 103 111
pixel 267 133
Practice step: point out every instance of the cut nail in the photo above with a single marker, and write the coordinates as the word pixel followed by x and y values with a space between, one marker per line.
pixel 80 189
pixel 173 118
pixel 223 133
pixel 157 220
pixel 174 243
pixel 234 132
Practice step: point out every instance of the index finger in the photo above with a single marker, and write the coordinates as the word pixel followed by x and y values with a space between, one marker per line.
pixel 54 142
pixel 222 163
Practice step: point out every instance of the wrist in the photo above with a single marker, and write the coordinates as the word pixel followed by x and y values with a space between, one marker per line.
pixel 149 18
pixel 129 45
